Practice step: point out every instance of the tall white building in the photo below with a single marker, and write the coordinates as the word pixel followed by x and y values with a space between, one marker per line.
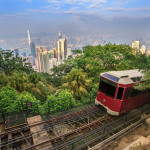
pixel 135 46
pixel 54 62
pixel 29 37
pixel 148 53
pixel 95 43
pixel 143 49
pixel 68 52
pixel 62 49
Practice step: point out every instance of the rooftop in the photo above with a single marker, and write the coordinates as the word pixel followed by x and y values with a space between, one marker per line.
pixel 124 77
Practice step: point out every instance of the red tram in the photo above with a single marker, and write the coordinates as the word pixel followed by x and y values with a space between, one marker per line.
pixel 117 94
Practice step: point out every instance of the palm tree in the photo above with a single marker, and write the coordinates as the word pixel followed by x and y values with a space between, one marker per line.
pixel 77 82
pixel 20 81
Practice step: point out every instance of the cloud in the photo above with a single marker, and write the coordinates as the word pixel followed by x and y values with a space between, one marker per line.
pixel 75 11
pixel 53 1
pixel 88 3
pixel 97 4
pixel 71 11
pixel 23 14
pixel 127 9
pixel 122 2
pixel 51 7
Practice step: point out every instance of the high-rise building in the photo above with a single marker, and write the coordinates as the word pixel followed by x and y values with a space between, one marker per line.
pixel 143 49
pixel 60 35
pixel 22 57
pixel 95 43
pixel 68 52
pixel 54 62
pixel 36 64
pixel 33 50
pixel 55 52
pixel 31 60
pixel 148 53
pixel 32 45
pixel 39 57
pixel 29 37
pixel 62 49
pixel 135 46
pixel 24 54
pixel 44 56
pixel 48 58
pixel 16 52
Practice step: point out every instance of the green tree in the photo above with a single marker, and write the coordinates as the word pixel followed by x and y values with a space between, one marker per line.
pixel 20 103
pixel 8 63
pixel 59 71
pixel 8 95
pixel 145 85
pixel 62 101
pixel 20 81
pixel 77 51
pixel 3 80
pixel 97 59
pixel 77 82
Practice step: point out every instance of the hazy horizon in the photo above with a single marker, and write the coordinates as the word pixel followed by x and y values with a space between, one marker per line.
pixel 120 21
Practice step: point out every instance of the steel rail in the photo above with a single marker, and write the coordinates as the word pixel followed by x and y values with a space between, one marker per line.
pixel 83 129
pixel 104 118
pixel 48 120
pixel 102 132
pixel 55 119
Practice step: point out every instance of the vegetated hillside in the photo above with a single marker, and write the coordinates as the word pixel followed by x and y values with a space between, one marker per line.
pixel 69 81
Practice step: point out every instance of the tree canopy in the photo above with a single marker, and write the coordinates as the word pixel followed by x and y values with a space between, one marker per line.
pixel 76 76
pixel 9 63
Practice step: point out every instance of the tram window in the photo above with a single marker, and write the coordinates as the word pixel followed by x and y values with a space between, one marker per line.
pixel 136 92
pixel 107 87
pixel 120 93
pixel 127 93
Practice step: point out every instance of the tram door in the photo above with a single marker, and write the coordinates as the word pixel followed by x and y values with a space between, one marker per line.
pixel 126 99
pixel 119 97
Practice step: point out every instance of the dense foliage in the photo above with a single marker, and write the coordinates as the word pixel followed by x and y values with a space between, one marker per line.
pixel 8 63
pixel 69 82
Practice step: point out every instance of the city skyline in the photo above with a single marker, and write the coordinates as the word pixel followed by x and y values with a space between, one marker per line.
pixel 118 21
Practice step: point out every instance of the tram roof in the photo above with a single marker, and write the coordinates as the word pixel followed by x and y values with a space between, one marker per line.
pixel 124 77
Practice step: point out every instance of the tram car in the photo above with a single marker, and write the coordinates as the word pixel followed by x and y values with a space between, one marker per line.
pixel 117 94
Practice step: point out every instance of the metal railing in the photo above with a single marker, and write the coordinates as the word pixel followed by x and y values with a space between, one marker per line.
pixel 29 108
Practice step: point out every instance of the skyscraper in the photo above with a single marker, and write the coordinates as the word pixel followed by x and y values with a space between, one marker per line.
pixel 29 37
pixel 59 35
pixel 68 52
pixel 55 52
pixel 44 57
pixel 33 50
pixel 32 45
pixel 143 49
pixel 39 56
pixel 95 43
pixel 48 58
pixel 16 52
pixel 62 49
pixel 135 46
pixel 148 53
pixel 31 60
pixel 24 54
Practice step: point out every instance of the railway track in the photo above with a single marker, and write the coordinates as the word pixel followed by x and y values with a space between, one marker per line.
pixel 81 129
pixel 59 128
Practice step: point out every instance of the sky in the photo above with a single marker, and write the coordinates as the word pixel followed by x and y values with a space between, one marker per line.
pixel 113 19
